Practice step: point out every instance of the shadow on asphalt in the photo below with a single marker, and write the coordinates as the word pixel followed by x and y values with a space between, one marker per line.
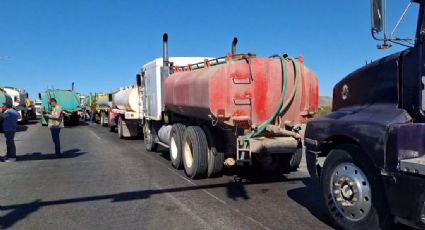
pixel 17 212
pixel 84 123
pixel 72 153
pixel 32 122
pixel 21 128
pixel 310 197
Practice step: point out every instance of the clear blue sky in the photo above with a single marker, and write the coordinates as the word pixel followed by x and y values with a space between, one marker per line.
pixel 101 44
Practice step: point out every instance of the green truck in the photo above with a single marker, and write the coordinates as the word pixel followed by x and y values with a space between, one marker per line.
pixel 67 99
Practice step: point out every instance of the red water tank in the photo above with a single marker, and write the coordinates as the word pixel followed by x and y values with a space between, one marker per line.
pixel 242 89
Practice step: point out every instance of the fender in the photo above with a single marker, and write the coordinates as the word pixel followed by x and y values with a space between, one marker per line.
pixel 368 126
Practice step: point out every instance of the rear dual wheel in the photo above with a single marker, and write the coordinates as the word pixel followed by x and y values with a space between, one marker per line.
pixel 290 163
pixel 189 147
pixel 277 163
pixel 103 119
pixel 176 138
pixel 195 152
pixel 215 155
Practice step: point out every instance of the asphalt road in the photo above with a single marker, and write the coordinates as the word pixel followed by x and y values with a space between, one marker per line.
pixel 106 183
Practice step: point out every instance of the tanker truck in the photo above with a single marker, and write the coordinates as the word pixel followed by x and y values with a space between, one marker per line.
pixel 100 103
pixel 4 99
pixel 19 97
pixel 126 113
pixel 368 154
pixel 103 104
pixel 239 109
pixel 67 99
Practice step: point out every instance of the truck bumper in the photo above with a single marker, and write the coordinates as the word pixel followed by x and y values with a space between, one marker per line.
pixel 406 198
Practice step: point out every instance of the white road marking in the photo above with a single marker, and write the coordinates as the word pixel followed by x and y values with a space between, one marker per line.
pixel 94 134
pixel 210 194
pixel 184 207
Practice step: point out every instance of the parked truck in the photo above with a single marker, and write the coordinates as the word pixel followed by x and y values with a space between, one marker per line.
pixel 67 99
pixel 369 152
pixel 19 97
pixel 237 109
pixel 38 108
pixel 103 104
pixel 126 113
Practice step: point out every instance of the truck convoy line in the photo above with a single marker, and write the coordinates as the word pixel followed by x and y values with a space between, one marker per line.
pixel 216 112
pixel 368 154
pixel 241 109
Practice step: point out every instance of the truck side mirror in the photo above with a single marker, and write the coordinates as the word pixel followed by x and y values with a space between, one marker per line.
pixel 377 15
pixel 39 96
pixel 110 97
pixel 139 80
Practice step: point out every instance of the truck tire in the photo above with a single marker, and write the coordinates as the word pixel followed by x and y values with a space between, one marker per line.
pixel 102 119
pixel 215 157
pixel 111 128
pixel 120 128
pixel 149 137
pixel 176 140
pixel 353 190
pixel 195 152
pixel 269 163
pixel 291 162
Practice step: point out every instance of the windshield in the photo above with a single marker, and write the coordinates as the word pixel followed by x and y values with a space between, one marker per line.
pixel 402 21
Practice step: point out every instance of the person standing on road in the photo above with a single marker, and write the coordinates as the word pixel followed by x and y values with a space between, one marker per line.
pixel 55 123
pixel 93 112
pixel 10 123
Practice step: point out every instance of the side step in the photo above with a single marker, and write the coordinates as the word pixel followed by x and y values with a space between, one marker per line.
pixel 413 165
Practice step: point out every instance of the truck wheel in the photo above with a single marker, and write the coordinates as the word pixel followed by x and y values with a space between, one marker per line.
pixel 269 163
pixel 215 157
pixel 120 131
pixel 195 152
pixel 149 137
pixel 102 119
pixel 353 191
pixel 176 140
pixel 292 161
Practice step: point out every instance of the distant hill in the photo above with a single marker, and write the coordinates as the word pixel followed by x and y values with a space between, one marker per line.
pixel 325 104
pixel 325 101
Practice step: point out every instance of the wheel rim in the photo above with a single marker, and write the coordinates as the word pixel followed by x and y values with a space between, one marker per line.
pixel 350 191
pixel 188 153
pixel 173 148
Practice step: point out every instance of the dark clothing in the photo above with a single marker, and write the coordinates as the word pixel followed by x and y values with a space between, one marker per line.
pixel 10 143
pixel 93 116
pixel 55 137
pixel 10 120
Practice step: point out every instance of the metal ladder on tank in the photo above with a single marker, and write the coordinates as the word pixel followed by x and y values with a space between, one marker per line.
pixel 243 152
